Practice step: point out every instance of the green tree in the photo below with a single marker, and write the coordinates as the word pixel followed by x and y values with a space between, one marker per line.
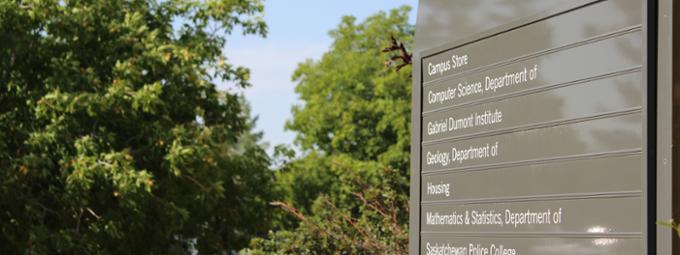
pixel 353 104
pixel 348 193
pixel 362 212
pixel 113 136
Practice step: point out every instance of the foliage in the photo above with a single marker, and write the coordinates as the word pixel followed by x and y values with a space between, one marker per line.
pixel 670 224
pixel 353 104
pixel 348 193
pixel 113 136
pixel 363 214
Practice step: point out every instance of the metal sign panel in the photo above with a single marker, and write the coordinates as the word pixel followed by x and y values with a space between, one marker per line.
pixel 530 128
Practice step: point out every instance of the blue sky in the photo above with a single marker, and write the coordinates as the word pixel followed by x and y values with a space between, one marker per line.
pixel 298 30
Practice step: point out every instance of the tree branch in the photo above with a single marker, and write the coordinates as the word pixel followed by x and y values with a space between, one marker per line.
pixel 403 55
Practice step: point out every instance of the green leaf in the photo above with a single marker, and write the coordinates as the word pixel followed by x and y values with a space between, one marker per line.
pixel 99 130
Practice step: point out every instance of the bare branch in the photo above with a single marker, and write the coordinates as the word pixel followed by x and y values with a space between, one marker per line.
pixel 403 54
pixel 92 212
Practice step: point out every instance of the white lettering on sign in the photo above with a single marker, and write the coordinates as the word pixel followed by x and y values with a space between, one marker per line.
pixel 436 127
pixel 489 85
pixel 444 219
pixel 459 61
pixel 501 250
pixel 488 118
pixel 474 152
pixel 438 189
pixel 445 249
pixel 529 217
pixel 438 158
pixel 467 89
pixel 440 68
pixel 506 217
pixel 510 79
pixel 469 249
pixel 484 217
pixel 441 96
pixel 476 119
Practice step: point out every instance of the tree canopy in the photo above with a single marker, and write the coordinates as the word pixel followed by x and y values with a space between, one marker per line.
pixel 348 192
pixel 113 136
pixel 353 104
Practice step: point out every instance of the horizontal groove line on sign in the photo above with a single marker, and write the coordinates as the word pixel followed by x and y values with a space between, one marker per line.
pixel 535 161
pixel 508 61
pixel 539 89
pixel 571 196
pixel 507 29
pixel 613 155
pixel 538 125
pixel 577 235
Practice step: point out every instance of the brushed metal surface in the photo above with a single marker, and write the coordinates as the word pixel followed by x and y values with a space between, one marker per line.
pixel 556 68
pixel 585 216
pixel 580 177
pixel 597 98
pixel 583 138
pixel 535 245
pixel 572 27
pixel 571 137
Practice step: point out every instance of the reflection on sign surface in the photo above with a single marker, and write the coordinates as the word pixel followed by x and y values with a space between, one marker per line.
pixel 532 135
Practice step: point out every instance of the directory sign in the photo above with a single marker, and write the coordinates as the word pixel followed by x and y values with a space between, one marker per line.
pixel 532 136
